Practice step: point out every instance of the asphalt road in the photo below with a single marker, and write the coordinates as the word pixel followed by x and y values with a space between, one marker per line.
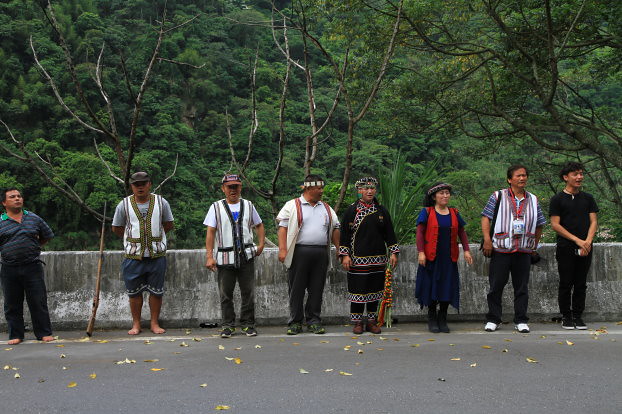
pixel 403 370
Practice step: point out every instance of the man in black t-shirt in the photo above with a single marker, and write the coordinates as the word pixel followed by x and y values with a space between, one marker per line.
pixel 574 219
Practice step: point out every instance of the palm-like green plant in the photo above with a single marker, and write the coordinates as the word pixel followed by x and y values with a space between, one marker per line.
pixel 402 205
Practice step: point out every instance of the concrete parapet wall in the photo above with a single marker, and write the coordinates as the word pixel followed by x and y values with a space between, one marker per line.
pixel 191 291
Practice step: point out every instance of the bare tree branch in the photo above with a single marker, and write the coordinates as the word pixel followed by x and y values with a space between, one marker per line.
pixel 118 179
pixel 170 176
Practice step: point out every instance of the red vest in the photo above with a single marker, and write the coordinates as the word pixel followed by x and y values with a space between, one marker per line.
pixel 431 235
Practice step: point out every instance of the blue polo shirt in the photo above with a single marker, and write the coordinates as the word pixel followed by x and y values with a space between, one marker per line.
pixel 19 242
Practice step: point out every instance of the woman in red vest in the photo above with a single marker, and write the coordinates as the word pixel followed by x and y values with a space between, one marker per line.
pixel 438 229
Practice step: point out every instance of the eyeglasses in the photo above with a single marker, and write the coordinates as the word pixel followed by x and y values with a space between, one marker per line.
pixel 233 186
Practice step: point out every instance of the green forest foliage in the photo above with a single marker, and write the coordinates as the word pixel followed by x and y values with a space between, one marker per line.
pixel 434 106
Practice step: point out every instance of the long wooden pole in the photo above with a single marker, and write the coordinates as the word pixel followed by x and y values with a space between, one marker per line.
pixel 89 328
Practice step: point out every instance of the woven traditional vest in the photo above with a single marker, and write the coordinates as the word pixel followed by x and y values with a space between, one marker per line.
pixel 144 233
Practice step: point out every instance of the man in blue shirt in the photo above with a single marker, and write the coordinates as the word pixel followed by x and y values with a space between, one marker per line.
pixel 22 233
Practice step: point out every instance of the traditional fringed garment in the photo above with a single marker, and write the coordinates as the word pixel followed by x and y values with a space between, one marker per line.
pixel 366 235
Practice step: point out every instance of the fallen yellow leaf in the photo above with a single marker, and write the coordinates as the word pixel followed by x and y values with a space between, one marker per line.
pixel 431 340
pixel 188 331
pixel 369 342
pixel 507 340
pixel 64 368
pixel 103 341
pixel 157 369
pixel 237 361
pixel 60 346
pixel 229 358
pixel 63 356
pixel 257 346
pixel 8 349
pixel 354 337
pixel 505 350
pixel 533 361
pixel 295 343
pixel 473 364
pixel 93 376
pixel 415 345
pixel 303 371
pixel 85 339
pixel 455 359
pixel 72 384
pixel 238 348
pixel 147 342
pixel 328 370
pixel 324 342
pixel 543 337
pixel 347 374
pixel 17 376
pixel 619 323
pixel 486 346
pixel 360 351
pixel 203 385
pixel 396 339
pixel 7 367
pixel 197 339
pixel 560 342
pixel 382 338
pixel 222 407
pixel 360 343
pixel 221 347
pixel 452 344
pixel 380 349
pixel 569 343
pixel 151 360
pixel 184 344
pixel 347 347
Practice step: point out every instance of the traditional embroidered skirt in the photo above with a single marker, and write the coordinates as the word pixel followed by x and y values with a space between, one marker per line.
pixel 366 283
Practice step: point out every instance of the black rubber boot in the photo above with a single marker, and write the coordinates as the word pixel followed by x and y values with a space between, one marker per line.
pixel 432 319
pixel 442 318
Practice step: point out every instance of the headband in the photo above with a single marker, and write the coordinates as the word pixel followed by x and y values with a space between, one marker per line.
pixel 439 187
pixel 313 184
pixel 365 181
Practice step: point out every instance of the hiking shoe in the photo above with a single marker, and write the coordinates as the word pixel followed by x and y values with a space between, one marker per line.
pixel 227 332
pixel 579 324
pixel 358 328
pixel 294 329
pixel 522 327
pixel 491 326
pixel 317 329
pixel 567 323
pixel 373 327
pixel 249 331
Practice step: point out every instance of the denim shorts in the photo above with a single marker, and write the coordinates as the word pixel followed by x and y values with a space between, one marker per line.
pixel 146 274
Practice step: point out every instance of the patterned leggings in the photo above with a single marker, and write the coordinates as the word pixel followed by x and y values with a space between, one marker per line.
pixel 357 309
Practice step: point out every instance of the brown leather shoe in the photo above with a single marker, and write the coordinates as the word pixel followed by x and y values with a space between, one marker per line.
pixel 372 327
pixel 358 328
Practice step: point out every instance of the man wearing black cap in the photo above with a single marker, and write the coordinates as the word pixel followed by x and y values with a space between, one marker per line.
pixel 230 222
pixel 143 219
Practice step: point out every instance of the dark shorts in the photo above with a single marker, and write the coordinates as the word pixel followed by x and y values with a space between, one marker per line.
pixel 146 274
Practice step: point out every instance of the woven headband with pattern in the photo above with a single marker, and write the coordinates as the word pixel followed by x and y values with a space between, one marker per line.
pixel 313 184
pixel 366 180
pixel 436 188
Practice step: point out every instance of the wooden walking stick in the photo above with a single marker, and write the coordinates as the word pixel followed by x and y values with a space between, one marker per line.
pixel 98 281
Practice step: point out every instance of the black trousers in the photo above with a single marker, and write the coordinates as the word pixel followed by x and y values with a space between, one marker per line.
pixel 27 279
pixel 501 266
pixel 573 271
pixel 245 277
pixel 307 273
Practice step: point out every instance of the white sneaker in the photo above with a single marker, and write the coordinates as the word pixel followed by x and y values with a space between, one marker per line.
pixel 522 328
pixel 491 326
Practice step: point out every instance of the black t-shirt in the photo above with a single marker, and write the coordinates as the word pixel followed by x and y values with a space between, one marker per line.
pixel 574 214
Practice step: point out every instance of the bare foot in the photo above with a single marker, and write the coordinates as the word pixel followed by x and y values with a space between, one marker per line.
pixel 47 338
pixel 15 341
pixel 156 329
pixel 134 331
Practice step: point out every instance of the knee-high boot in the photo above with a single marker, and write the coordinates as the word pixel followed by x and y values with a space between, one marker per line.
pixel 432 318
pixel 442 317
